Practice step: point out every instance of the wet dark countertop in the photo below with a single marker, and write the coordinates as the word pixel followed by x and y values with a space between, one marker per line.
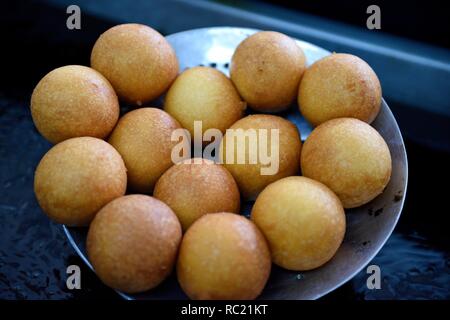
pixel 34 252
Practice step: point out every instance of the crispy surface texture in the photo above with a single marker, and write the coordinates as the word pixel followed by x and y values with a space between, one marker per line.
pixel 337 86
pixel 193 189
pixel 133 242
pixel 204 94
pixel 248 176
pixel 137 60
pixel 77 177
pixel 223 256
pixel 266 68
pixel 143 138
pixel 74 101
pixel 350 157
pixel 302 220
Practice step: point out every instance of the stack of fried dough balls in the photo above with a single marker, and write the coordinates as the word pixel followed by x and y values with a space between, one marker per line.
pixel 187 213
pixel 133 240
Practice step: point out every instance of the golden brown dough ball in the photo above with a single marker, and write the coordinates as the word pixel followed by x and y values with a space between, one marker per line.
pixel 132 243
pixel 339 85
pixel 74 101
pixel 196 187
pixel 77 177
pixel 266 69
pixel 143 139
pixel 350 157
pixel 204 94
pixel 249 176
pixel 223 256
pixel 302 220
pixel 137 60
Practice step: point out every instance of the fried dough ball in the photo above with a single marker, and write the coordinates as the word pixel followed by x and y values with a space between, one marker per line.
pixel 266 69
pixel 253 172
pixel 74 101
pixel 338 86
pixel 196 187
pixel 77 177
pixel 350 157
pixel 204 94
pixel 302 220
pixel 143 138
pixel 137 60
pixel 133 242
pixel 223 256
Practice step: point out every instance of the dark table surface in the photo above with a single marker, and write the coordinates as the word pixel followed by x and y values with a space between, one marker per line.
pixel 34 253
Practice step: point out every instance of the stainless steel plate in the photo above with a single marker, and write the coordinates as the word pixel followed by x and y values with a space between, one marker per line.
pixel 368 227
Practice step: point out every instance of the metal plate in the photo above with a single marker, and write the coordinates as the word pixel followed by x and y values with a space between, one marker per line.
pixel 368 227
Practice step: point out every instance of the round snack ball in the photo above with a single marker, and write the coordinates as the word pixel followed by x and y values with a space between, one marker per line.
pixel 204 94
pixel 195 187
pixel 137 60
pixel 266 69
pixel 337 86
pixel 77 177
pixel 74 101
pixel 350 157
pixel 133 242
pixel 143 138
pixel 223 256
pixel 303 221
pixel 253 176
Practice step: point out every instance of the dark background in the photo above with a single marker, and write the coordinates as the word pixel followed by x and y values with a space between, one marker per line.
pixel 426 21
pixel 34 252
